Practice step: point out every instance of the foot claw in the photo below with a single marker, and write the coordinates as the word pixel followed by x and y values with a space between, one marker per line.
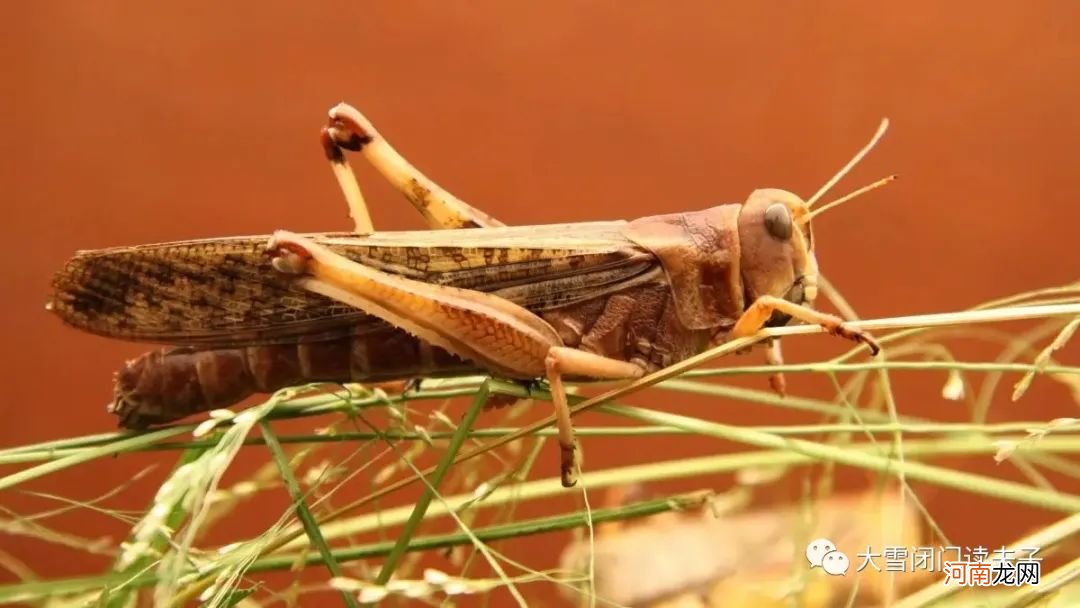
pixel 857 335
pixel 778 384
pixel 331 147
pixel 498 402
pixel 568 465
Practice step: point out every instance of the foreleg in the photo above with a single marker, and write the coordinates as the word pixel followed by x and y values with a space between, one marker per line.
pixel 755 317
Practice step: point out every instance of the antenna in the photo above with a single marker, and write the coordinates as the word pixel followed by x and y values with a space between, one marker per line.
pixel 851 163
pixel 847 197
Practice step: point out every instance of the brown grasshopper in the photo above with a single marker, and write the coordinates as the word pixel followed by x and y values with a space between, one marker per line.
pixel 585 301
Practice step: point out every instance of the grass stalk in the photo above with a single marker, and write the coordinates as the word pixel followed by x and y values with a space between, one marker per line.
pixel 123 445
pixel 577 519
pixel 778 446
pixel 123 596
pixel 669 470
pixel 968 482
pixel 1044 539
pixel 1050 583
pixel 37 590
pixel 821 367
pixel 302 511
pixel 421 507
pixel 909 428
pixel 943 319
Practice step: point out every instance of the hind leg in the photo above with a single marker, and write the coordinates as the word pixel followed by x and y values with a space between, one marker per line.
pixel 348 129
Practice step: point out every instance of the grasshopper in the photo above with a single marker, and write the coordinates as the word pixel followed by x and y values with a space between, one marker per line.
pixel 582 301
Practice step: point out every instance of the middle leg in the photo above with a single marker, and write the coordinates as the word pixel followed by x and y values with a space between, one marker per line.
pixel 774 356
pixel 562 360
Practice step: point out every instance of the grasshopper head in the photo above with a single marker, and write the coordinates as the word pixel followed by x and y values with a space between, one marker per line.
pixel 775 241
pixel 776 248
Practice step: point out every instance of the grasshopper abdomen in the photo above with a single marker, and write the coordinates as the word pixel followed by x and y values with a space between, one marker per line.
pixel 171 383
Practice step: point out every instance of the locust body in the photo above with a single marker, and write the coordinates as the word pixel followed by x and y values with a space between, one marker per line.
pixel 582 301
pixel 246 328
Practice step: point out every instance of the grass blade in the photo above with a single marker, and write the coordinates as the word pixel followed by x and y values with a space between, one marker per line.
pixel 302 511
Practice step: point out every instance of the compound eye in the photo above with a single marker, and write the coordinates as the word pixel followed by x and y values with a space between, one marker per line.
pixel 778 221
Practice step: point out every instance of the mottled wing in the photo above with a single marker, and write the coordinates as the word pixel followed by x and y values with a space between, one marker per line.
pixel 224 292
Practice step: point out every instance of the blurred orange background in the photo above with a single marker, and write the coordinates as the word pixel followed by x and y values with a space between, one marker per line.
pixel 130 123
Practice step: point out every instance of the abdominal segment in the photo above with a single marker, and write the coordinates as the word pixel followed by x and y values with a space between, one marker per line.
pixel 171 383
